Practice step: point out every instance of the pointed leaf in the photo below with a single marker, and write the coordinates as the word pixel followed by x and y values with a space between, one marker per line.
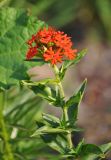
pixel 46 93
pixel 73 103
pixel 79 146
pixel 56 142
pixel 69 63
pixel 91 149
pixel 48 130
pixel 106 147
pixel 52 120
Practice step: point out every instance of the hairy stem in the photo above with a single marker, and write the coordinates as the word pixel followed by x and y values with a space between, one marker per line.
pixel 7 155
pixel 64 108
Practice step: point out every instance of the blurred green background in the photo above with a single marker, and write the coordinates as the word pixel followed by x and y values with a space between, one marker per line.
pixel 88 22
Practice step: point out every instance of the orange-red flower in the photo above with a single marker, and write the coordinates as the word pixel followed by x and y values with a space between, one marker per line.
pixel 53 56
pixel 31 52
pixel 53 46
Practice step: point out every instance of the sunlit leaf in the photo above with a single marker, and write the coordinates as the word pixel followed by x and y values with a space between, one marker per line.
pixel 16 27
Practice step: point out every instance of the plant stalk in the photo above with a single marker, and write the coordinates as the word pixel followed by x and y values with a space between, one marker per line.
pixel 7 155
pixel 64 108
pixel 69 139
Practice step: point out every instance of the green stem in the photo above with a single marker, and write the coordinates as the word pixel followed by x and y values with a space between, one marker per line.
pixel 64 108
pixel 7 155
pixel 69 139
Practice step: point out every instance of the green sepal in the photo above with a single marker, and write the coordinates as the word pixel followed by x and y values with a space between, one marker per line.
pixel 73 103
pixel 69 63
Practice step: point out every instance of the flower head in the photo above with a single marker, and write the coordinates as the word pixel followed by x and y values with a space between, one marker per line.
pixel 53 46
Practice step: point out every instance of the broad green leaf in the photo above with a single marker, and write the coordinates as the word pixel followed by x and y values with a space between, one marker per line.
pixel 16 27
pixel 69 63
pixel 73 103
pixel 52 120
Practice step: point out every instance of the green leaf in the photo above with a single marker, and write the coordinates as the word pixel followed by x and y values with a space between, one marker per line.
pixel 48 130
pixel 56 142
pixel 91 149
pixel 73 103
pixel 106 147
pixel 46 93
pixel 53 138
pixel 35 83
pixel 89 157
pixel 52 120
pixel 76 129
pixel 16 27
pixel 41 90
pixel 79 146
pixel 69 63
pixel 93 152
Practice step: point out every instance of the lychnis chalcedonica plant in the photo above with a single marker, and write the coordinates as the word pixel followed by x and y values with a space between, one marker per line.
pixel 18 141
pixel 55 48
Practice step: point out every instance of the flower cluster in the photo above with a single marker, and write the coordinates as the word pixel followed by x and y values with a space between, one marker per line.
pixel 51 45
